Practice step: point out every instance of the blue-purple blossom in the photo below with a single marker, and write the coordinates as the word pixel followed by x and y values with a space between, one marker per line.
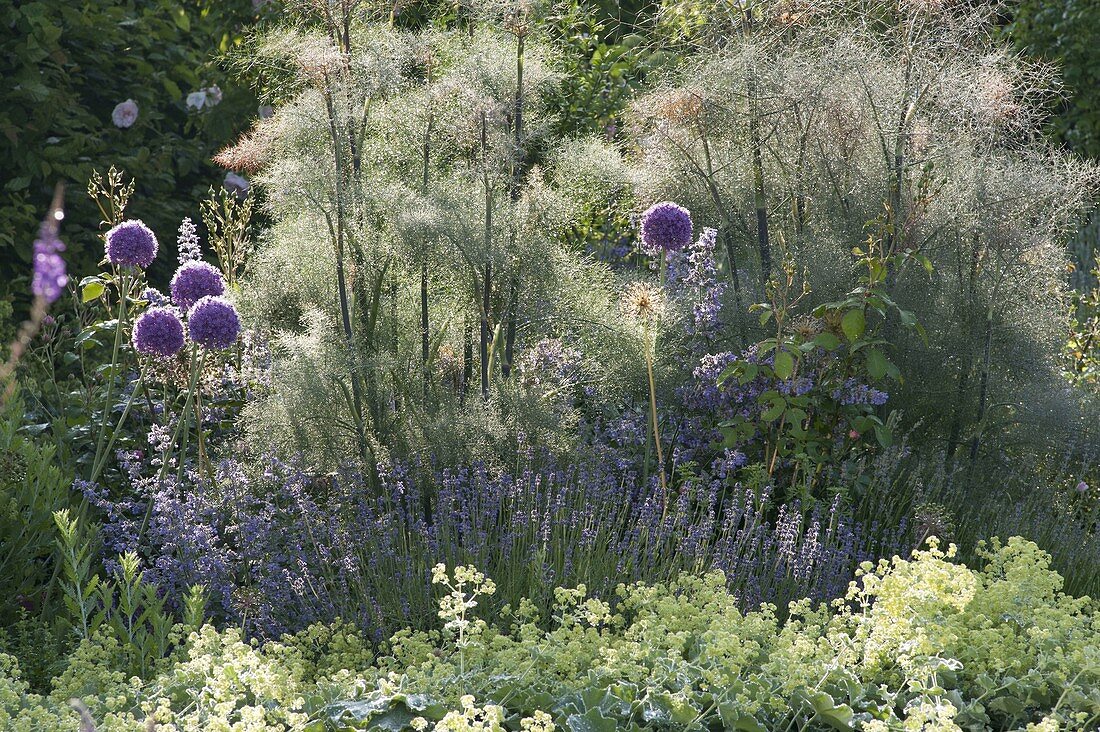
pixel 193 281
pixel 855 392
pixel 131 244
pixel 154 297
pixel 49 278
pixel 666 226
pixel 213 323
pixel 693 276
pixel 549 363
pixel 275 555
pixel 158 332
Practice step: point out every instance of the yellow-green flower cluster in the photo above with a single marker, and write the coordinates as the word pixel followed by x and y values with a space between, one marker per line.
pixel 918 645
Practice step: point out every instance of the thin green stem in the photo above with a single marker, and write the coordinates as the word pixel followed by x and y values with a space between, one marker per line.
pixel 120 326
pixel 101 460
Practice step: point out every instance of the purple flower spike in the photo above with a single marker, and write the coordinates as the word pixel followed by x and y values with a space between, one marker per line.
pixel 194 281
pixel 666 226
pixel 214 323
pixel 131 244
pixel 158 332
pixel 49 278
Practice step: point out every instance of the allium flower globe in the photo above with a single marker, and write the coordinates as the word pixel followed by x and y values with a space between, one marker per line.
pixel 131 244
pixel 666 226
pixel 194 281
pixel 213 323
pixel 158 332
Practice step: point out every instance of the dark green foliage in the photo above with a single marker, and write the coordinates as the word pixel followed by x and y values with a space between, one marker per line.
pixel 32 487
pixel 65 66
pixel 1068 33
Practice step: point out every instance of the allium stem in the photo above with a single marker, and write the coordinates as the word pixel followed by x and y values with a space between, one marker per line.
pixel 196 365
pixel 101 460
pixel 656 432
pixel 123 294
pixel 486 289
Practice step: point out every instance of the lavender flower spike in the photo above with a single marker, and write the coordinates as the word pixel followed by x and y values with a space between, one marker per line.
pixel 214 323
pixel 49 278
pixel 187 243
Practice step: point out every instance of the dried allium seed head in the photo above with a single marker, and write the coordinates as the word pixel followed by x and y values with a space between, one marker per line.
pixel 807 327
pixel 642 302
pixel 928 7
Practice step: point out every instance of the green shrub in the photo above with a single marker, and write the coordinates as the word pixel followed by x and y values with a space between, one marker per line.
pixel 32 487
pixel 65 66
pixel 1067 33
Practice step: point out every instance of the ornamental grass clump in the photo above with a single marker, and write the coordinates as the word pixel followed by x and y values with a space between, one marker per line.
pixel 442 266
pixel 803 132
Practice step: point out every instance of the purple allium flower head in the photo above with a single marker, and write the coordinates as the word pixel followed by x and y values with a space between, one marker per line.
pixel 158 332
pixel 1082 487
pixel 214 323
pixel 194 281
pixel 665 226
pixel 125 114
pixel 131 243
pixel 49 278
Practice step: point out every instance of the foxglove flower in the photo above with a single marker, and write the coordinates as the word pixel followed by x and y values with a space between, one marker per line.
pixel 667 227
pixel 49 278
pixel 125 114
pixel 194 281
pixel 214 323
pixel 131 244
pixel 158 332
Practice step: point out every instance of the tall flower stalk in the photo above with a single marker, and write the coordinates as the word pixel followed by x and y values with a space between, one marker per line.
pixel 48 282
pixel 644 304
